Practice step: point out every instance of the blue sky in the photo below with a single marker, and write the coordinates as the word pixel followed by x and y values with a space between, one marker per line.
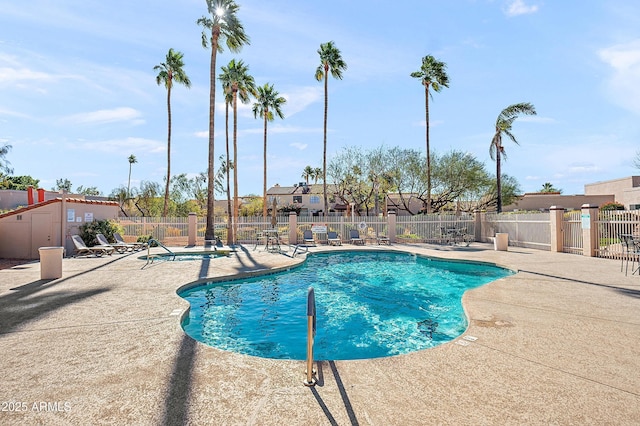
pixel 78 92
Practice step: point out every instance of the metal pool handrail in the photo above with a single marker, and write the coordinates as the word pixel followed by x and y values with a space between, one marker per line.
pixel 311 334
pixel 149 257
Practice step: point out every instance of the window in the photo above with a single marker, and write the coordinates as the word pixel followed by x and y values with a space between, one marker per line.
pixel 297 199
pixel 314 199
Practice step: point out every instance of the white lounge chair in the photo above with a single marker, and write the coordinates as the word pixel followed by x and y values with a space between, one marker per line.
pixel 82 249
pixel 103 242
pixel 134 246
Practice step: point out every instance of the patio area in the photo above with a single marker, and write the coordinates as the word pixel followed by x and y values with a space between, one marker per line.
pixel 556 343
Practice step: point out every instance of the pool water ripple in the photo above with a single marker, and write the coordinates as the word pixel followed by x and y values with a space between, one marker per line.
pixel 369 304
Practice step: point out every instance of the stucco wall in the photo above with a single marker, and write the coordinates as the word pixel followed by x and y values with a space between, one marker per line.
pixel 541 201
pixel 23 231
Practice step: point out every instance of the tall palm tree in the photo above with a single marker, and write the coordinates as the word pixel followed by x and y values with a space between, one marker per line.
pixel 268 102
pixel 242 86
pixel 504 123
pixel 169 72
pixel 132 161
pixel 330 62
pixel 307 173
pixel 433 74
pixel 221 22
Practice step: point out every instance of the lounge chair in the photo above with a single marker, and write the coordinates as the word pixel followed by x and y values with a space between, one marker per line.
pixel 354 237
pixel 381 239
pixel 103 242
pixel 307 237
pixel 135 246
pixel 334 239
pixel 82 249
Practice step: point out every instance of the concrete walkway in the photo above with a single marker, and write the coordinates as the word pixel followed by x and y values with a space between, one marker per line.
pixel 557 343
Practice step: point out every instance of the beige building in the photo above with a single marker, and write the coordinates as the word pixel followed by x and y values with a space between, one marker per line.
pixel 308 197
pixel 542 201
pixel 625 191
pixel 49 223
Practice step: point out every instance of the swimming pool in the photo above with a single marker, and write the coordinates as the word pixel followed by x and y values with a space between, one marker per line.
pixel 369 304
pixel 188 255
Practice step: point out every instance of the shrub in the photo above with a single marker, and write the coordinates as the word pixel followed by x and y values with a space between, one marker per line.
pixel 105 227
pixel 612 206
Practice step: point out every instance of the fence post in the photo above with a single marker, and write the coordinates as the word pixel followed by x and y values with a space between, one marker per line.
pixel 193 229
pixel 477 215
pixel 391 226
pixel 556 218
pixel 589 218
pixel 293 228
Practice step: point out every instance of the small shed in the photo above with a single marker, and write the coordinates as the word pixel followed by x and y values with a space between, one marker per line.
pixel 49 223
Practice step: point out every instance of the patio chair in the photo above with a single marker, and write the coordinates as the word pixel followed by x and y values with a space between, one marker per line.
pixel 135 246
pixel 307 238
pixel 382 239
pixel 354 237
pixel 333 239
pixel 81 248
pixel 103 242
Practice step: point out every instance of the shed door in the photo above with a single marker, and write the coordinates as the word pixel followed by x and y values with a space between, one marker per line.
pixel 41 228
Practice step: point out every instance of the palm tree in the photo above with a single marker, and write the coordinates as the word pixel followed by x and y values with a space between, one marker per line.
pixel 548 187
pixel 330 61
pixel 132 161
pixel 317 174
pixel 169 72
pixel 432 73
pixel 228 100
pixel 504 123
pixel 221 22
pixel 267 103
pixel 307 173
pixel 242 86
pixel 4 164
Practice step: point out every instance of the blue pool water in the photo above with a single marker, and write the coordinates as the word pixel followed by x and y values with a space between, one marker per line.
pixel 369 304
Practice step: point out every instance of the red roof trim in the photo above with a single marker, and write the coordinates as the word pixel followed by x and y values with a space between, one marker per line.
pixel 58 200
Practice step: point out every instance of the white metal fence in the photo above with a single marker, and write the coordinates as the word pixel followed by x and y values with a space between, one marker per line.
pixel 531 230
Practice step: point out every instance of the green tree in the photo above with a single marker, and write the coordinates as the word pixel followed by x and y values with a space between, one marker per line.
pixel 132 160
pixel 317 174
pixel 62 184
pixel 307 173
pixel 330 62
pixel 89 190
pixel 548 187
pixel 4 164
pixel 221 22
pixel 268 105
pixel 242 86
pixel 432 74
pixel 504 124
pixel 169 72
pixel 20 183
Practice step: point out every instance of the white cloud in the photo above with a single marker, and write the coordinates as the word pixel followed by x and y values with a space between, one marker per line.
pixel 623 85
pixel 125 145
pixel 106 116
pixel 299 145
pixel 298 99
pixel 518 7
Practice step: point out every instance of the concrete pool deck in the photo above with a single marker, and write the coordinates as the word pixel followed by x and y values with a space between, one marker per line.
pixel 556 343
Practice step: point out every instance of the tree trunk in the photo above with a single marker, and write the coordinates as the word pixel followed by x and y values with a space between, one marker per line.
pixel 228 171
pixel 165 209
pixel 324 152
pixel 209 233
pixel 426 102
pixel 498 183
pixel 235 166
pixel 264 180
